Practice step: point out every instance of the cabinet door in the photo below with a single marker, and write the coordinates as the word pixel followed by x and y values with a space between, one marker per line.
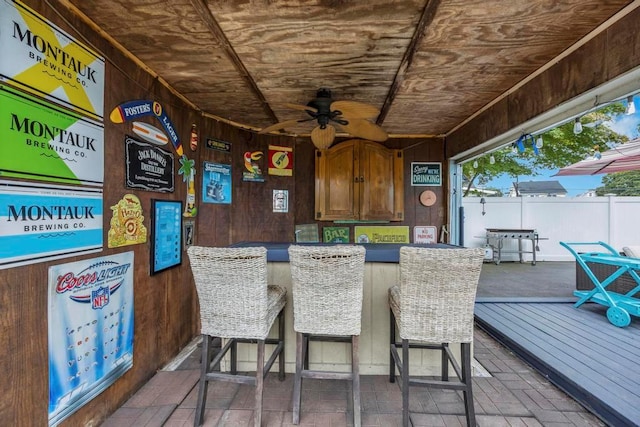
pixel 337 193
pixel 382 195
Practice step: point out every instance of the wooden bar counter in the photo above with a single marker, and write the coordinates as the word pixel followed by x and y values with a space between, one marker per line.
pixel 381 272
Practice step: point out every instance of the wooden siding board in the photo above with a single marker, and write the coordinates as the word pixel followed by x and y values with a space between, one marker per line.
pixel 537 329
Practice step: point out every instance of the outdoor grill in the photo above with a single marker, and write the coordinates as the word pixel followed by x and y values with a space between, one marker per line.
pixel 496 236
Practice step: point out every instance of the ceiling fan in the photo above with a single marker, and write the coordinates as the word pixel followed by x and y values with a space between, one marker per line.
pixel 351 117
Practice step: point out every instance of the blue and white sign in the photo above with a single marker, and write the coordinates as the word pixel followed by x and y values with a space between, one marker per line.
pixel 39 223
pixel 90 330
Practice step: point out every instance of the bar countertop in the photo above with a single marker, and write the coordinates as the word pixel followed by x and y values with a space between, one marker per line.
pixel 387 252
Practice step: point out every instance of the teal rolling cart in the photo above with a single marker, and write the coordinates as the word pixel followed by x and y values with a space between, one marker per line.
pixel 621 306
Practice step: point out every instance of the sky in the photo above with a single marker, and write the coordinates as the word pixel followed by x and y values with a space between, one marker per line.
pixel 576 185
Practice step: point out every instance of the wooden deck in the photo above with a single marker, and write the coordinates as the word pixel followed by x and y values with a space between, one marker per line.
pixel 595 362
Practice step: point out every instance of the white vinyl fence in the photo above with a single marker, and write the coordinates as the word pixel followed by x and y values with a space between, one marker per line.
pixel 613 220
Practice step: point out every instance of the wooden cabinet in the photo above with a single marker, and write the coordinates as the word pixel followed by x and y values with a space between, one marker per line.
pixel 359 180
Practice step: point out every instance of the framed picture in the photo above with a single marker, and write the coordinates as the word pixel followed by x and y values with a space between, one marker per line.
pixel 166 234
pixel 281 200
pixel 188 228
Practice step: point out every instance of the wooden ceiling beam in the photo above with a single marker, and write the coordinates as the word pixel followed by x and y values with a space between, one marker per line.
pixel 203 11
pixel 426 18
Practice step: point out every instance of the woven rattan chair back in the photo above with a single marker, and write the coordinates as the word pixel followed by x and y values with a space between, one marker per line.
pixel 232 291
pixel 327 288
pixel 438 288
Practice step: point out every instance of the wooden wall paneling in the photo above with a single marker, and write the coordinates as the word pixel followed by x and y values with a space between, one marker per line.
pixel 164 303
pixel 304 180
pixel 23 303
pixel 489 123
pixel 623 45
pixel 427 150
pixel 252 216
pixel 213 220
pixel 578 73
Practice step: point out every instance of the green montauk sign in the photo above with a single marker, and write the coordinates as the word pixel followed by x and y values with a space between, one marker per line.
pixel 41 141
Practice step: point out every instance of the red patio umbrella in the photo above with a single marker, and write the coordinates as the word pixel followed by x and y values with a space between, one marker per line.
pixel 624 157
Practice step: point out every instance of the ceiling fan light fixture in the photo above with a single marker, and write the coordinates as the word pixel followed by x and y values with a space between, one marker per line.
pixel 322 138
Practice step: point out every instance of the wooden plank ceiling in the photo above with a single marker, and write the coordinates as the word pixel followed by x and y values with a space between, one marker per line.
pixel 426 64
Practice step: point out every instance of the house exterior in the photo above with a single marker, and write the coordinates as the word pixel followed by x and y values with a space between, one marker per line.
pixel 537 189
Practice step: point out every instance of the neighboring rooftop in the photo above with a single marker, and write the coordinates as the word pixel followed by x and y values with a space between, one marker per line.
pixel 538 189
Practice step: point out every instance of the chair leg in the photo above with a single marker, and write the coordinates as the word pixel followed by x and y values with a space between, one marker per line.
pixel 305 345
pixel 281 340
pixel 355 371
pixel 297 382
pixel 234 356
pixel 405 383
pixel 444 362
pixel 465 349
pixel 204 369
pixel 392 342
pixel 257 413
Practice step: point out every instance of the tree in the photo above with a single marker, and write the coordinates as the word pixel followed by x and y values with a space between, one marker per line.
pixel 561 148
pixel 621 184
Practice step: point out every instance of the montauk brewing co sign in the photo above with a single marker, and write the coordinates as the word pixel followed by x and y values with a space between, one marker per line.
pixel 41 141
pixel 40 58
pixel 39 223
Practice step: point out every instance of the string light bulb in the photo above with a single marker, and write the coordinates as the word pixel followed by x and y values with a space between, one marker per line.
pixel 492 160
pixel 475 164
pixel 577 126
pixel 539 141
pixel 631 107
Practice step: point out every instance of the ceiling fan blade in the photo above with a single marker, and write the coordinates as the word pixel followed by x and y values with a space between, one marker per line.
pixel 365 129
pixel 355 110
pixel 300 107
pixel 281 125
pixel 323 138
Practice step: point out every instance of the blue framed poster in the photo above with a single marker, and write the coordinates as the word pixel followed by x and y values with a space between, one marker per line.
pixel 166 234
pixel 216 183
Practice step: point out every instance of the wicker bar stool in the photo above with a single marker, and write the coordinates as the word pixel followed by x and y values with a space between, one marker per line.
pixel 432 307
pixel 327 305
pixel 236 303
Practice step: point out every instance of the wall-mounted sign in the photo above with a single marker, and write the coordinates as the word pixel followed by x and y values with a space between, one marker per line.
pixel 40 58
pixel 216 183
pixel 43 142
pixel 280 160
pixel 252 171
pixel 127 223
pixel 166 234
pixel 40 223
pixel 426 174
pixel 90 330
pixel 381 234
pixel 219 145
pixel 132 110
pixel 188 172
pixel 426 234
pixel 148 167
pixel 335 234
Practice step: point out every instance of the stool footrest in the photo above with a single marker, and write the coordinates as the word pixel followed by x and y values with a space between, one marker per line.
pixel 327 375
